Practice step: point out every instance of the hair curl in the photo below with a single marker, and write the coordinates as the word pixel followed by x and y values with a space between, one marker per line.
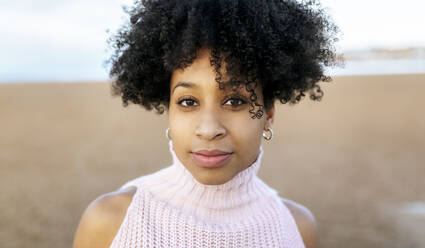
pixel 282 44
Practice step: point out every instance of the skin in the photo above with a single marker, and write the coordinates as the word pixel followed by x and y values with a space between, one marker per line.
pixel 201 116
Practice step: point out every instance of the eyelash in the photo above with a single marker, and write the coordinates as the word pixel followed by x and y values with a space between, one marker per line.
pixel 242 102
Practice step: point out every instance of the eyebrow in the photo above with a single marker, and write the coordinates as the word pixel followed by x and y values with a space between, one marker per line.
pixel 185 84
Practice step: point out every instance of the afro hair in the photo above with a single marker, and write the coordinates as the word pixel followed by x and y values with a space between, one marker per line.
pixel 283 45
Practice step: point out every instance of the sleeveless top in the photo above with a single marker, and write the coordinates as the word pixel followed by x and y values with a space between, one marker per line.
pixel 172 209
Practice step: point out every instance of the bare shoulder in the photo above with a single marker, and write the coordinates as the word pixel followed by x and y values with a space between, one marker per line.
pixel 305 221
pixel 102 218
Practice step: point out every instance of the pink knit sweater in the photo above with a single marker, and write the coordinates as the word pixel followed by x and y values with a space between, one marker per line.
pixel 171 209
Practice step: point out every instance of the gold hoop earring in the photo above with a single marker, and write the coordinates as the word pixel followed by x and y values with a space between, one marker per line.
pixel 268 136
pixel 167 134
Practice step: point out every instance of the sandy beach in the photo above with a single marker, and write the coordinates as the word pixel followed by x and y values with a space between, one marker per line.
pixel 356 159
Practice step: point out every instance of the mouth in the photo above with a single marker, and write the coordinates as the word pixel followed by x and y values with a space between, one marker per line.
pixel 211 159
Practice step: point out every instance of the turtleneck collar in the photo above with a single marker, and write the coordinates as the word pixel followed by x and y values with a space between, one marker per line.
pixel 176 186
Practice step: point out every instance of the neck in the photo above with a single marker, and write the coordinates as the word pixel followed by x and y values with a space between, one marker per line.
pixel 176 186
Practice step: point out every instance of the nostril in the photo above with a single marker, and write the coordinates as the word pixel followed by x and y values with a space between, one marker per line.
pixel 210 134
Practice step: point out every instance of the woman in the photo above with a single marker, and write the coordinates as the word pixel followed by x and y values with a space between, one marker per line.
pixel 217 67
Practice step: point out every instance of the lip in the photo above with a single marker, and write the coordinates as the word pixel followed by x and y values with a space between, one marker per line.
pixel 211 159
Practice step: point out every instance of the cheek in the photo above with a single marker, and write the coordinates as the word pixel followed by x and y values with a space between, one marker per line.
pixel 246 131
pixel 180 126
pixel 179 132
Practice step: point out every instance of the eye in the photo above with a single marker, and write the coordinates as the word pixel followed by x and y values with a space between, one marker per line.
pixel 235 102
pixel 187 102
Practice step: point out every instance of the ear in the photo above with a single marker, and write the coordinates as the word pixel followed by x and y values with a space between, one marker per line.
pixel 270 112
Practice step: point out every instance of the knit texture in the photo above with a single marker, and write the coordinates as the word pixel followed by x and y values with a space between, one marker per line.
pixel 172 209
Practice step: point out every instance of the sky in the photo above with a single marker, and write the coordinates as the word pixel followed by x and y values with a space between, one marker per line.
pixel 378 23
pixel 66 40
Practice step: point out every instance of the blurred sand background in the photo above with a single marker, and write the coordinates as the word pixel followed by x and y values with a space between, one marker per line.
pixel 356 159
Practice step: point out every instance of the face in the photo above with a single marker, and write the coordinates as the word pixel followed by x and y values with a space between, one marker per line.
pixel 203 118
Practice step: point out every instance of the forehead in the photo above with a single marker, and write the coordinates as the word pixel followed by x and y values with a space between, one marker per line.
pixel 200 75
pixel 200 71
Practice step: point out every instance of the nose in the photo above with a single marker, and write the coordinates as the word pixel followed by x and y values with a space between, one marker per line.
pixel 210 126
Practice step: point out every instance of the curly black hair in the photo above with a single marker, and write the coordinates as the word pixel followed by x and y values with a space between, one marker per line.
pixel 282 44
